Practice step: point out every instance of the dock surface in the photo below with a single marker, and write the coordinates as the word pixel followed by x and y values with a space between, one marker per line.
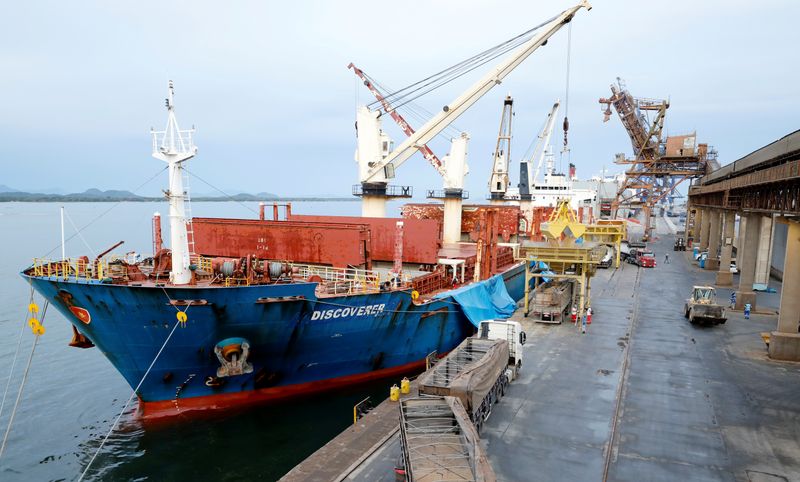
pixel 644 395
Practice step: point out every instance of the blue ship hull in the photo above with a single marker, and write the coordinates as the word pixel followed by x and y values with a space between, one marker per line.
pixel 298 343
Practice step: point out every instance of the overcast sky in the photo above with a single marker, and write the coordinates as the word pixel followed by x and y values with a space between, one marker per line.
pixel 267 87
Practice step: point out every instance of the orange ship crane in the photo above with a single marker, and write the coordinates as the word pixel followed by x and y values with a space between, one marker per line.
pixel 426 151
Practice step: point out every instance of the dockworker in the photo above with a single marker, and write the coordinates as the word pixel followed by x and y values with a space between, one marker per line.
pixel 666 258
pixel 747 308
pixel 733 299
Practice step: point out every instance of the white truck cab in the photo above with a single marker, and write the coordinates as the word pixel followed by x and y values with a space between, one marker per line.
pixel 508 330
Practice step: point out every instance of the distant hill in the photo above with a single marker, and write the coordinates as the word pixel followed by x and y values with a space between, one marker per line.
pixel 8 194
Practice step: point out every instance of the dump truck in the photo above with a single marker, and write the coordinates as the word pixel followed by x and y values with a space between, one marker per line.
pixel 702 307
pixel 439 442
pixel 477 372
pixel 551 301
pixel 627 248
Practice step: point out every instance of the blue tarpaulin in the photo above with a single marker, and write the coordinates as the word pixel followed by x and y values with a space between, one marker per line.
pixel 541 267
pixel 485 300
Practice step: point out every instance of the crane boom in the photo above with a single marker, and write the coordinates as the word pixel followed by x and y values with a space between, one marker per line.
pixel 405 126
pixel 544 141
pixel 453 110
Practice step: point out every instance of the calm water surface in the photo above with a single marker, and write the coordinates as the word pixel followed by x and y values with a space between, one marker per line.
pixel 72 395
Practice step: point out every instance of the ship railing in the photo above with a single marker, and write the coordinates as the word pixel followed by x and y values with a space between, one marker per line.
pixel 79 269
pixel 351 280
pixel 230 281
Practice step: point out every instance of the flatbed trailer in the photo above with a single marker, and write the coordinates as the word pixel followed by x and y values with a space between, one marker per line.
pixel 551 301
pixel 476 372
pixel 439 442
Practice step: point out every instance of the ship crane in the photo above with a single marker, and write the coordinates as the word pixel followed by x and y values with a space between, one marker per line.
pixel 498 182
pixel 426 151
pixel 377 162
pixel 527 179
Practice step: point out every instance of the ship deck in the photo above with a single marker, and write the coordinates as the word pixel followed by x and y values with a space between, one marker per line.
pixel 644 395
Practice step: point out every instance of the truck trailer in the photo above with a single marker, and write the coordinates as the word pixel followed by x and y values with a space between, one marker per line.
pixel 439 442
pixel 477 372
pixel 551 301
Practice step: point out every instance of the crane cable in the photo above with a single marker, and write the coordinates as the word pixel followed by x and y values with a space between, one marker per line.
pixel 25 374
pixel 566 95
pixel 457 70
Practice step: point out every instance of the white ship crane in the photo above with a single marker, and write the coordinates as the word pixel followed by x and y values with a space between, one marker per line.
pixel 174 146
pixel 377 160
pixel 498 182
pixel 528 178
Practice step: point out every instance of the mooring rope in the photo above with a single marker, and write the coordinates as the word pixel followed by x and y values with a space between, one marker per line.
pixel 133 394
pixel 22 384
pixel 16 354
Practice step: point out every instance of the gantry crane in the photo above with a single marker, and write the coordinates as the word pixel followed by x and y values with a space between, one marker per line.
pixel 657 167
pixel 377 160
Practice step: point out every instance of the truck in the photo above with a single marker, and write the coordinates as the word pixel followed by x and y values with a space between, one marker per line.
pixel 478 371
pixel 680 244
pixel 551 301
pixel 607 258
pixel 701 306
pixel 642 257
pixel 626 247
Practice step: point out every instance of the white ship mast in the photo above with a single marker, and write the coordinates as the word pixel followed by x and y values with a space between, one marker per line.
pixel 174 146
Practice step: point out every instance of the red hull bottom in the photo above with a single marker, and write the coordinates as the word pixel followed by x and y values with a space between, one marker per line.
pixel 164 409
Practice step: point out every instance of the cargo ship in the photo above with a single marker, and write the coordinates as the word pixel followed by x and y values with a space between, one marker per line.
pixel 243 311
pixel 240 311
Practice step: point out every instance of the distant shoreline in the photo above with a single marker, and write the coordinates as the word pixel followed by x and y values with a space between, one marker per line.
pixel 11 197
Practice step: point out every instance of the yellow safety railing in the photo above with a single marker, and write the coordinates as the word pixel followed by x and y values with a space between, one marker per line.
pixel 205 264
pixel 71 268
pixel 230 281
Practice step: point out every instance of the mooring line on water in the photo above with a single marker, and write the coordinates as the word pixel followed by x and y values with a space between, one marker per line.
pixel 125 407
pixel 16 355
pixel 22 384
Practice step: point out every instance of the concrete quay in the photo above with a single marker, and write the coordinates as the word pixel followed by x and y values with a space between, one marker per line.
pixel 642 396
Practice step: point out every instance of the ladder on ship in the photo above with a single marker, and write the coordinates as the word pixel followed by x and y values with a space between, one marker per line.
pixel 187 206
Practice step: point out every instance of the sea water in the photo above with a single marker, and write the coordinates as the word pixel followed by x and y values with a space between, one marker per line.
pixel 72 395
